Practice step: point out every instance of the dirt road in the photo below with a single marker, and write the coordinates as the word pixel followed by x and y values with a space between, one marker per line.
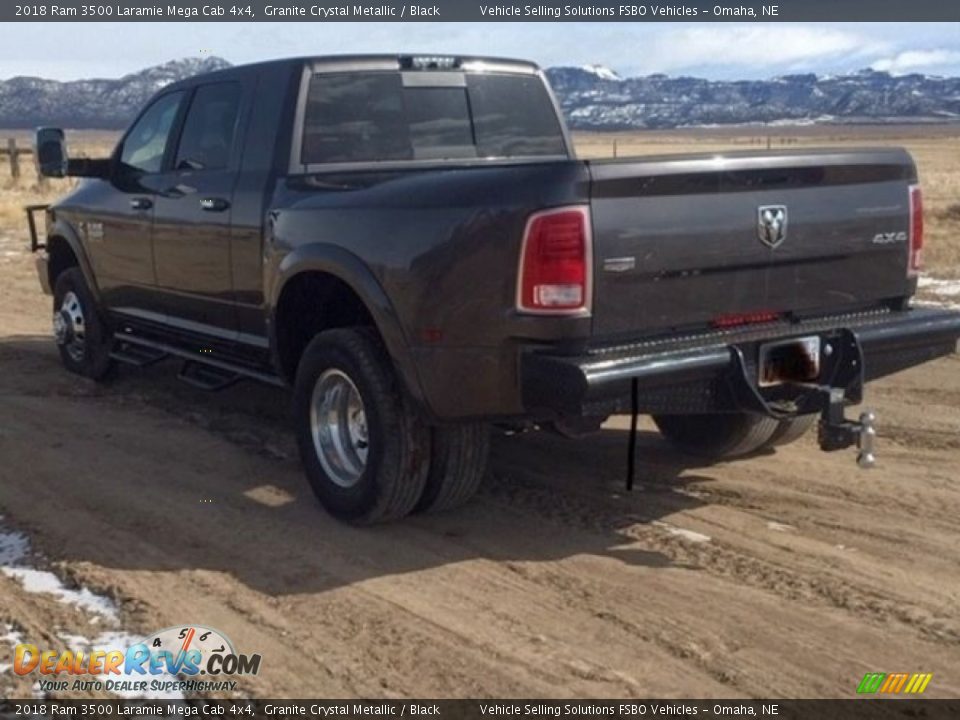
pixel 791 574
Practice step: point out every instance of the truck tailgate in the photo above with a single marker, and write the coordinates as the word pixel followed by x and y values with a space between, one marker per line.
pixel 690 240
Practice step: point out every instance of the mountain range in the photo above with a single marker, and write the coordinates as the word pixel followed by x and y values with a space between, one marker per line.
pixel 593 97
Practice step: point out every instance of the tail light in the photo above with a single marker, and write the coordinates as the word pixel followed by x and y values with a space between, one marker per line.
pixel 555 263
pixel 915 262
pixel 731 320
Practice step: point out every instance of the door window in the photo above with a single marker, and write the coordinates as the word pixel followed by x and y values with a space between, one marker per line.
pixel 208 133
pixel 146 143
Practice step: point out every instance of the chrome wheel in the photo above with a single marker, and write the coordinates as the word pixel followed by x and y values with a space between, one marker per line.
pixel 69 327
pixel 338 424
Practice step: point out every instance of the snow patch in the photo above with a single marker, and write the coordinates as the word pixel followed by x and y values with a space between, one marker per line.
pixel 779 527
pixel 42 581
pixel 14 549
pixel 11 636
pixel 683 533
pixel 601 71
pixel 938 304
pixel 940 287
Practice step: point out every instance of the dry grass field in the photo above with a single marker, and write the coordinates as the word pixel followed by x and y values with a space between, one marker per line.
pixel 936 150
pixel 27 190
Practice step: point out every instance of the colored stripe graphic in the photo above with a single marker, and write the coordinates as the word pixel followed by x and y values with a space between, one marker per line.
pixel 894 683
pixel 918 683
pixel 871 682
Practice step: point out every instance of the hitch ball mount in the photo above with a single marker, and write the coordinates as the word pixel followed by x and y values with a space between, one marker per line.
pixel 837 432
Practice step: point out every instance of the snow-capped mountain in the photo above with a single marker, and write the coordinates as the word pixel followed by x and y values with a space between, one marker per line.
pixel 602 72
pixel 593 97
pixel 30 101
pixel 599 101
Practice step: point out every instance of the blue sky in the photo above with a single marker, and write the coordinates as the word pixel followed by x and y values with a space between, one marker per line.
pixel 714 50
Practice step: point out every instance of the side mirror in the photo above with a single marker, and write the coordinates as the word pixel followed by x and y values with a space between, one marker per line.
pixel 51 149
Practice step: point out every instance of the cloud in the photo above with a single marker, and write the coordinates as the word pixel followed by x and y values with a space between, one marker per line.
pixel 770 45
pixel 911 60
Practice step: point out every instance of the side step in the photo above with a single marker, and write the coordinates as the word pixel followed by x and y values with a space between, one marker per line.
pixel 214 364
pixel 206 377
pixel 137 355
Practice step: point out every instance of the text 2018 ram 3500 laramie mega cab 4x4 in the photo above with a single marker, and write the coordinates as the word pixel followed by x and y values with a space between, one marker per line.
pixel 411 244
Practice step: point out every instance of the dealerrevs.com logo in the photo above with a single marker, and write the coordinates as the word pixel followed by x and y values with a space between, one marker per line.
pixel 178 659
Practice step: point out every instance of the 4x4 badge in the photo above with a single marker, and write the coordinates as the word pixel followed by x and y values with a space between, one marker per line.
pixel 772 224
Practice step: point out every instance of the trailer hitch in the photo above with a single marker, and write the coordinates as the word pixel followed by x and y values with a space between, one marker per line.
pixel 840 385
pixel 837 432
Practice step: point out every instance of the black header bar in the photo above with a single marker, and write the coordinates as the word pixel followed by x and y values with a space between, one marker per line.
pixel 622 11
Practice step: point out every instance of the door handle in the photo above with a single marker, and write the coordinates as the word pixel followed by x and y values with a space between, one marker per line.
pixel 214 204
pixel 141 203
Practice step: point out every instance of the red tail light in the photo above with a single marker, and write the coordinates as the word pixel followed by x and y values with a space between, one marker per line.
pixel 915 263
pixel 555 262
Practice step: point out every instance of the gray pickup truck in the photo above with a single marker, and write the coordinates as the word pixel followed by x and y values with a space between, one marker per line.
pixel 411 244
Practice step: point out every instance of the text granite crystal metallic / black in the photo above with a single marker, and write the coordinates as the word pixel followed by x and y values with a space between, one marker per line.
pixel 410 243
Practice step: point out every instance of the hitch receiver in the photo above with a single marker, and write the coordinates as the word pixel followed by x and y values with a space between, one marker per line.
pixel 837 432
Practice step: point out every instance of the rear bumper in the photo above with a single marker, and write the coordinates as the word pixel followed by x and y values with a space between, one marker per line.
pixel 717 372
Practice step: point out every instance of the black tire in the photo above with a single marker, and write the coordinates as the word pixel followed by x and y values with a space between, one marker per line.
pixel 458 463
pixel 717 436
pixel 397 449
pixel 792 429
pixel 85 342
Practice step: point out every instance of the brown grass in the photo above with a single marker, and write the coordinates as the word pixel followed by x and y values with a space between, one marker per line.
pixel 936 150
pixel 27 190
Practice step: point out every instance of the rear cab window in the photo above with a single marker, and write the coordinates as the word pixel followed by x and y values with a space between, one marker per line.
pixel 393 116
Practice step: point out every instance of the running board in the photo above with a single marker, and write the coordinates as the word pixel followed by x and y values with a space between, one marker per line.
pixel 194 357
pixel 137 355
pixel 206 377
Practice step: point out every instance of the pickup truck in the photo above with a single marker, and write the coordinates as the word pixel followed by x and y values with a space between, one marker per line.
pixel 411 245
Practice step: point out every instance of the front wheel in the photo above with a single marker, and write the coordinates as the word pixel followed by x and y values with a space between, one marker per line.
pixel 365 449
pixel 82 337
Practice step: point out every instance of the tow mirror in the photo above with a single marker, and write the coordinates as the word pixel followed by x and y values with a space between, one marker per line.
pixel 51 149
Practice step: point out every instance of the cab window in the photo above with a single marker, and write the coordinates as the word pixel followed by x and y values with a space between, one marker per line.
pixel 145 144
pixel 208 132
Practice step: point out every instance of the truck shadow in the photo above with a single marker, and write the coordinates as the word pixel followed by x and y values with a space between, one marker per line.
pixel 546 498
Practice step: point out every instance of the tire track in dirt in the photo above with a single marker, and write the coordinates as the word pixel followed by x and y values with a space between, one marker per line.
pixel 775 573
